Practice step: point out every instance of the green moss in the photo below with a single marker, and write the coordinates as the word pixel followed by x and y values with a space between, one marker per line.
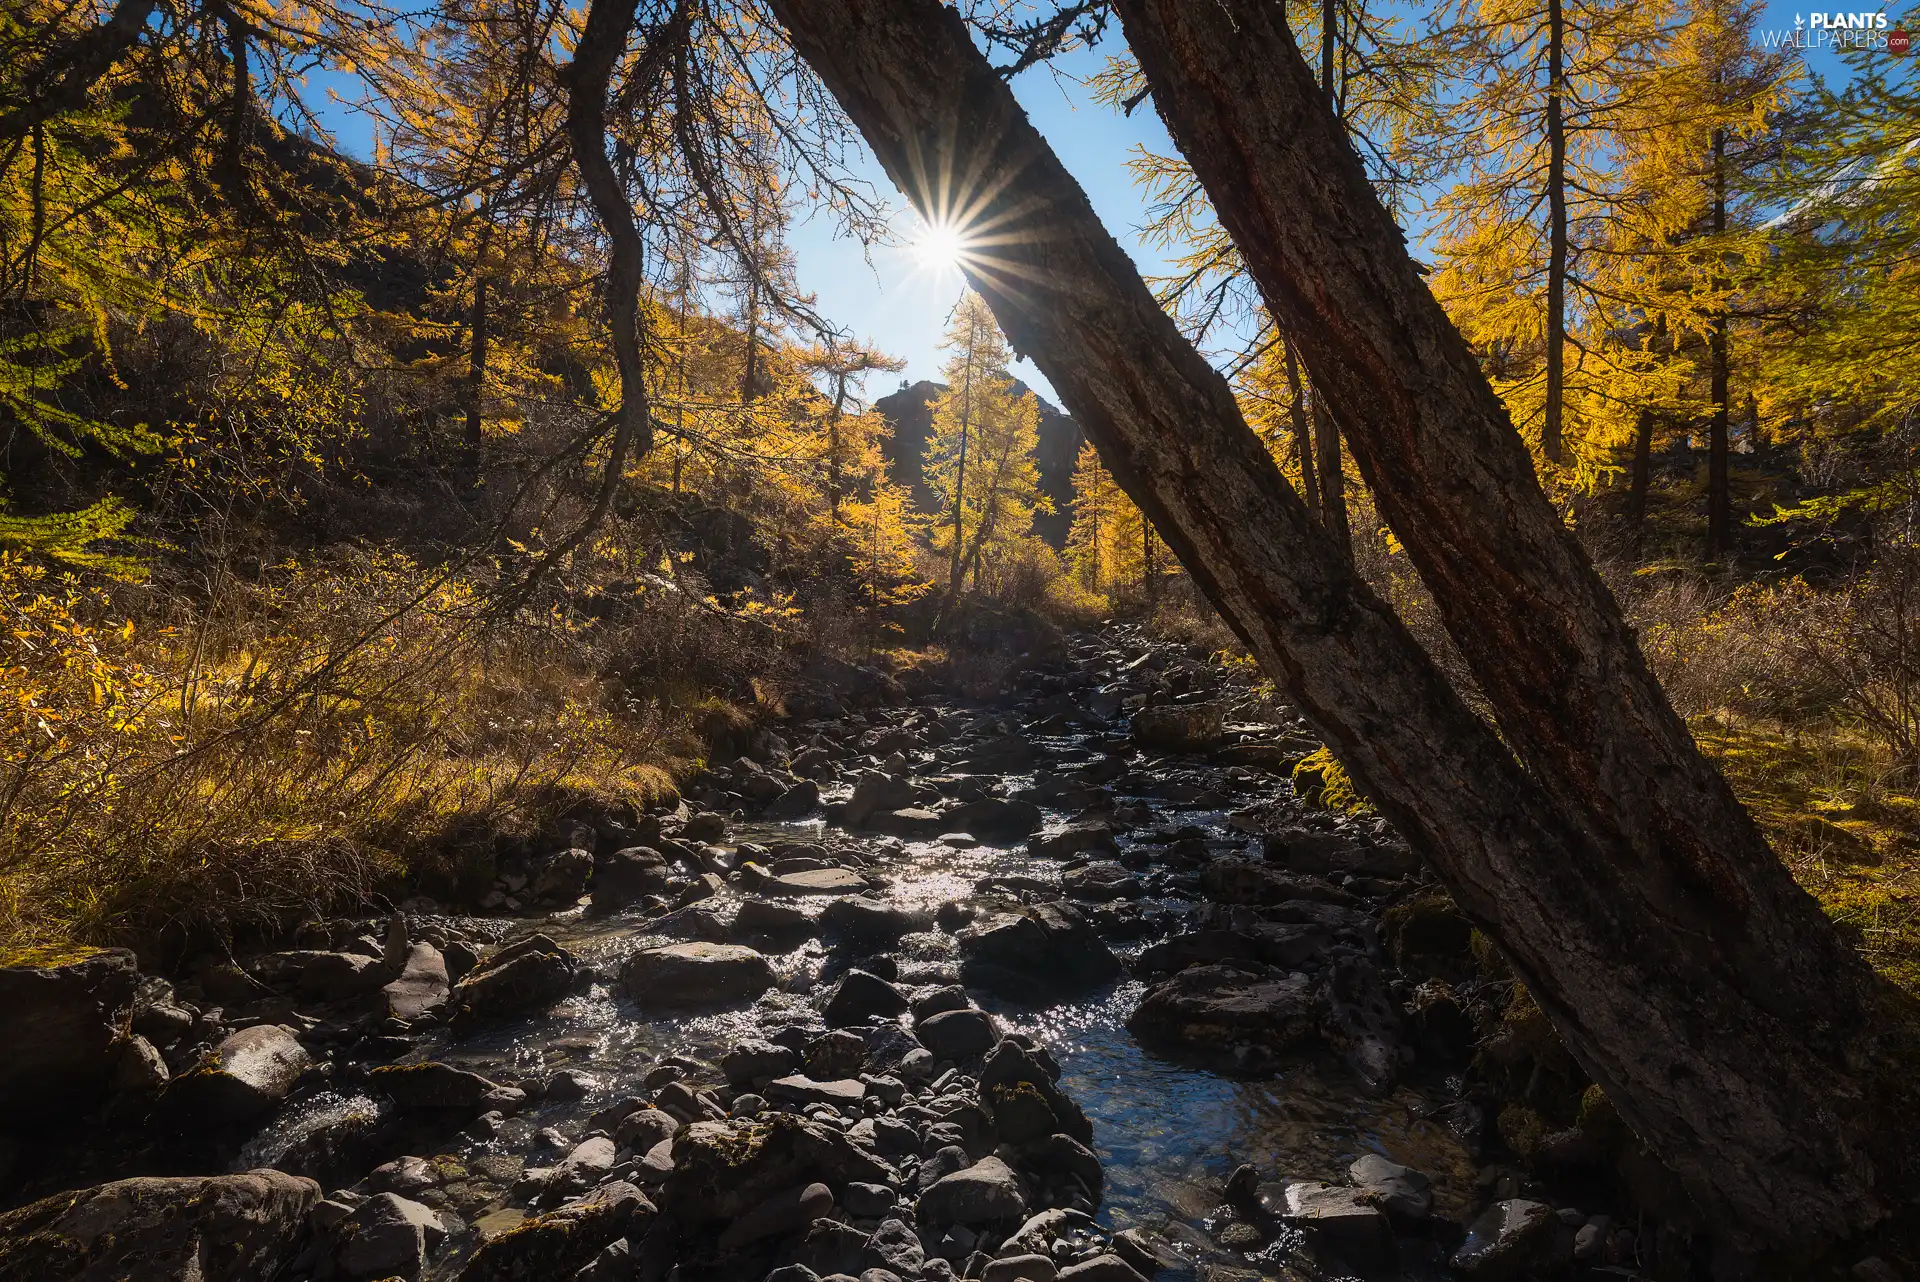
pixel 1521 1128
pixel 1319 780
pixel 43 956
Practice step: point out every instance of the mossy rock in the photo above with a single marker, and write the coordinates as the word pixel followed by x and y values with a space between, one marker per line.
pixel 1521 1129
pixel 561 1243
pixel 1428 926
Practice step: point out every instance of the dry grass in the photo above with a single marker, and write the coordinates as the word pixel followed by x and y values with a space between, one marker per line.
pixel 316 737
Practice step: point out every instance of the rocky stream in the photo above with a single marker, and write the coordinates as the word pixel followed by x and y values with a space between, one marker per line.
pixel 1078 984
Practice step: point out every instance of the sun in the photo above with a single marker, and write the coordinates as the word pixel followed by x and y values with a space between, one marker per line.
pixel 940 247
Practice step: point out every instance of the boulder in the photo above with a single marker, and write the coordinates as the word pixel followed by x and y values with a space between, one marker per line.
pixel 750 1062
pixel 1082 837
pixel 988 1192
pixel 221 1228
pixel 875 793
pixel 1101 882
pixel 995 819
pixel 684 976
pixel 522 978
pixel 780 923
pixel 865 920
pixel 1020 1112
pixel 561 1243
pixel 1047 951
pixel 839 1052
pixel 242 1080
pixel 1362 1021
pixel 643 1129
pixel 1341 1222
pixel 387 1236
pixel 1101 1268
pixel 958 1034
pixel 800 1089
pixel 794 801
pixel 1285 945
pixel 1020 1268
pixel 1180 727
pixel 820 881
pixel 320 975
pixel 59 1018
pixel 861 995
pixel 625 877
pixel 945 998
pixel 1233 1018
pixel 721 1170
pixel 422 985
pixel 560 876
pixel 1011 1062
pixel 434 1085
pixel 1242 881
pixel 1402 1192
pixel 783 1213
pixel 1510 1239
pixel 1328 854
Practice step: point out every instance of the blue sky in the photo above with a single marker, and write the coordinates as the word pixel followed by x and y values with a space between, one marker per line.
pixel 901 307
pixel 890 298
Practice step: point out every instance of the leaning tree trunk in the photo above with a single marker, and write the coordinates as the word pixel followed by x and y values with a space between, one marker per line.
pixel 1723 1047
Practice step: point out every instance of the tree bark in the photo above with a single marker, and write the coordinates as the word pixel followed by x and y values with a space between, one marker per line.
pixel 1551 425
pixel 1704 992
pixel 1760 998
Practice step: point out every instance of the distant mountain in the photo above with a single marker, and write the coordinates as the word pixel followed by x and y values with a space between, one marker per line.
pixel 909 412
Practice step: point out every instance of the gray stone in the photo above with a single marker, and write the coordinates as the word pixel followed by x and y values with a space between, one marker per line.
pixel 1341 1222
pixel 861 995
pixel 627 876
pixel 1020 1268
pixel 140 1071
pixel 799 1089
pixel 561 877
pixel 940 1000
pixel 1183 727
pixel 1508 1239
pixel 821 881
pixel 1210 1010
pixel 59 1022
pixel 680 976
pixel 434 1085
pixel 760 917
pixel 780 1214
pixel 1047 951
pixel 585 1166
pixel 388 1236
pixel 984 1193
pixel 757 1061
pixel 1082 837
pixel 243 1079
pixel 522 978
pixel 868 921
pixel 958 1034
pixel 868 1201
pixel 402 1175
pixel 1400 1191
pixel 1101 1268
pixel 422 986
pixel 223 1228
pixel 1101 882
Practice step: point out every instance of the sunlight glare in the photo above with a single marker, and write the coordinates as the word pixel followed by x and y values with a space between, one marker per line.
pixel 940 247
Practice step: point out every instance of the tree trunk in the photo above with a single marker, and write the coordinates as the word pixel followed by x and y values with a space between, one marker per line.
pixel 1303 436
pixel 477 369
pixel 1550 429
pixel 1719 486
pixel 960 475
pixel 1703 990
pixel 1642 477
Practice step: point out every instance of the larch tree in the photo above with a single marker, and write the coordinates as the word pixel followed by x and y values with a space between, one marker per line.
pixel 1722 1013
pixel 1541 87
